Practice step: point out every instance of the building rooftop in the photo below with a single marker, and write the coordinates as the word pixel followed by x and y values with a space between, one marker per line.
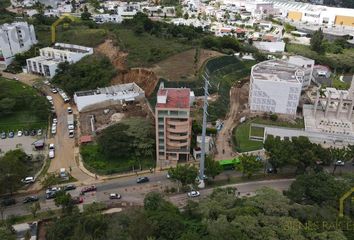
pixel 70 48
pixel 278 70
pixel 173 98
pixel 121 89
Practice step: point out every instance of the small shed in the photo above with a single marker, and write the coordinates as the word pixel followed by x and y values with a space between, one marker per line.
pixel 85 139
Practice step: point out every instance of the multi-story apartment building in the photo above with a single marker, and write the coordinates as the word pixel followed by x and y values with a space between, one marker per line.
pixel 173 126
pixel 276 86
pixel 47 63
pixel 15 38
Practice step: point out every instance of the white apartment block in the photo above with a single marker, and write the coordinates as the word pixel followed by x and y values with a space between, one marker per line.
pixel 276 87
pixel 47 62
pixel 15 38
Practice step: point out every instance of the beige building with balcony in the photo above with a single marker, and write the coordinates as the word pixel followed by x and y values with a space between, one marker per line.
pixel 173 126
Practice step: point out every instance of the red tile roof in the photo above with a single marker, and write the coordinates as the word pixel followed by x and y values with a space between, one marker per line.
pixel 86 139
pixel 176 98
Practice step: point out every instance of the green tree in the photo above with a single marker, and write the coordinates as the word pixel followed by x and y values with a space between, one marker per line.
pixel 34 208
pixel 65 201
pixel 183 174
pixel 49 180
pixel 85 15
pixel 316 41
pixel 248 165
pixel 13 168
pixel 212 167
pixel 186 16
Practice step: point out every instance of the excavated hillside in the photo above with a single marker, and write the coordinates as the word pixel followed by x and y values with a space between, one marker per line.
pixel 146 79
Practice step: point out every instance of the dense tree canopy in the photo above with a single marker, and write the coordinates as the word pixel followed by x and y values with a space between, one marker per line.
pixel 316 41
pixel 89 73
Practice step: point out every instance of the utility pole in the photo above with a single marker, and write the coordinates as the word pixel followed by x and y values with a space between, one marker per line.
pixel 205 113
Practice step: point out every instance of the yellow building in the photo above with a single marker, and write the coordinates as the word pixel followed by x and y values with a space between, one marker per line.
pixel 294 15
pixel 344 20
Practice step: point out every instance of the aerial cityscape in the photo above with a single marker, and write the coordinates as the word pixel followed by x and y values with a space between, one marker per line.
pixel 166 119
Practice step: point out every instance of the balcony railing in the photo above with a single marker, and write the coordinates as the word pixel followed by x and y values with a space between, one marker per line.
pixel 178 130
pixel 177 137
pixel 177 123
pixel 177 144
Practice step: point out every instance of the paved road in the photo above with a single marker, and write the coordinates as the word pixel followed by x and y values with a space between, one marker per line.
pixel 134 193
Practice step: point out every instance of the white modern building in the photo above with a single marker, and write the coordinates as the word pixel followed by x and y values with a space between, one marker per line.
pixel 275 86
pixel 47 62
pixel 114 94
pixel 15 38
pixel 272 47
pixel 105 18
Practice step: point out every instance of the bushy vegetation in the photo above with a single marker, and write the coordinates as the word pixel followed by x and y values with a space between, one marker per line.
pixel 125 146
pixel 21 106
pixel 91 72
pixel 6 16
pixel 222 215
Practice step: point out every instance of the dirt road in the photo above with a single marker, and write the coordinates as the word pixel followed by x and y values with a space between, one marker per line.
pixel 238 97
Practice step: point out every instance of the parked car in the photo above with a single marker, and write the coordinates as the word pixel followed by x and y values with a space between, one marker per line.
pixel 193 194
pixel 39 132
pixel 50 195
pixel 8 201
pixel 339 163
pixel 11 134
pixel 70 111
pixel 3 135
pixel 88 189
pixel 77 200
pixel 142 179
pixel 71 133
pixel 33 132
pixel 51 154
pixel 30 199
pixel 69 187
pixel 19 134
pixel 26 133
pixel 54 90
pixel 28 180
pixel 52 189
pixel 114 196
pixel 51 146
pixel 54 130
pixel 55 120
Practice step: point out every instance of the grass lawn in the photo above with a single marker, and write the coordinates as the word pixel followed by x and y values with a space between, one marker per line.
pixel 21 107
pixel 95 162
pixel 241 133
pixel 145 49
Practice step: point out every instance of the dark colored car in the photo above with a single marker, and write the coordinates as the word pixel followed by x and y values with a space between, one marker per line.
pixel 50 195
pixel 142 179
pixel 3 135
pixel 11 134
pixel 88 189
pixel 26 133
pixel 8 202
pixel 33 133
pixel 30 199
pixel 69 187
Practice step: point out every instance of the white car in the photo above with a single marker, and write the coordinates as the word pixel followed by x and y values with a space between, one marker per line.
pixel 28 180
pixel 19 134
pixel 51 154
pixel 115 196
pixel 70 111
pixel 54 90
pixel 54 130
pixel 193 194
pixel 52 189
pixel 71 133
pixel 55 121
pixel 339 163
pixel 51 146
pixel 71 127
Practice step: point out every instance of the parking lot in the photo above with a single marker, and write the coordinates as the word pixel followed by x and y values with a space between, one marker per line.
pixel 24 142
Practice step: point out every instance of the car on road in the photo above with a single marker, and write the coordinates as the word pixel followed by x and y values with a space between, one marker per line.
pixel 51 154
pixel 55 120
pixel 52 189
pixel 50 195
pixel 71 133
pixel 8 202
pixel 114 196
pixel 339 163
pixel 71 127
pixel 54 90
pixel 3 135
pixel 19 134
pixel 28 180
pixel 30 199
pixel 193 194
pixel 91 188
pixel 70 111
pixel 142 179
pixel 54 129
pixel 77 200
pixel 51 146
pixel 11 134
pixel 69 187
